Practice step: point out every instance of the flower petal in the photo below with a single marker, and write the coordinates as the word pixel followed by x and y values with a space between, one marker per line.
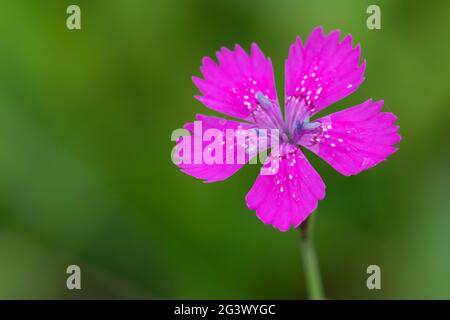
pixel 354 139
pixel 323 70
pixel 211 172
pixel 230 87
pixel 288 197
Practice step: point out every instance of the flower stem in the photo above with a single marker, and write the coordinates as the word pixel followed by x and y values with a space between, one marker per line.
pixel 311 266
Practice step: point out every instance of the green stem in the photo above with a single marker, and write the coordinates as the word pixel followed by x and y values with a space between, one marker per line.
pixel 312 273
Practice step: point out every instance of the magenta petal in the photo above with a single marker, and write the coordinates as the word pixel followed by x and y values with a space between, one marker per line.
pixel 288 197
pixel 323 70
pixel 213 172
pixel 354 139
pixel 230 87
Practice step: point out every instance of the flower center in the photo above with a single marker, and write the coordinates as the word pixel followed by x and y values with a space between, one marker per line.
pixel 296 123
pixel 297 120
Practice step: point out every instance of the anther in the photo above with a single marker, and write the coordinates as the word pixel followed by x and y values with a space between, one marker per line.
pixel 263 100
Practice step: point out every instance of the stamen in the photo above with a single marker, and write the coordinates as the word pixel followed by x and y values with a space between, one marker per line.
pixel 298 127
pixel 263 100
pixel 267 113
pixel 305 125
pixel 310 125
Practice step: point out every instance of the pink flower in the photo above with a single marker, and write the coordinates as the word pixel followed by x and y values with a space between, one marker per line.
pixel 318 73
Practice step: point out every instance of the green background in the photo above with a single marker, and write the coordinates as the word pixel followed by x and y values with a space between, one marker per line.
pixel 86 177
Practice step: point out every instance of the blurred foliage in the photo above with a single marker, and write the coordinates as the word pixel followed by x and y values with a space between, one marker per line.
pixel 86 177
